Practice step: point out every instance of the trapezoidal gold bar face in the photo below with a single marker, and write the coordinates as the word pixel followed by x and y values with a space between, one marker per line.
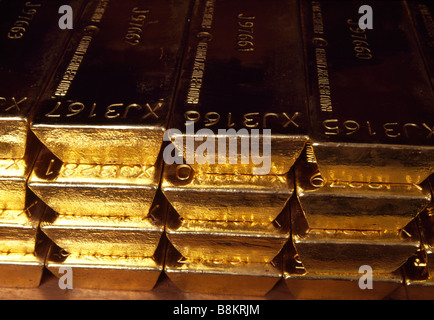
pixel 345 251
pixel 109 100
pixel 106 272
pixel 343 286
pixel 335 204
pixel 236 78
pixel 108 236
pixel 217 277
pixel 31 43
pixel 423 16
pixel 225 197
pixel 19 228
pixel 386 133
pixel 94 189
pixel 254 242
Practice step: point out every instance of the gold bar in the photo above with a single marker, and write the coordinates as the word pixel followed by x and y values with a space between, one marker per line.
pixel 345 251
pixel 426 227
pixel 217 277
pixel 31 43
pixel 14 174
pixel 237 76
pixel 335 204
pixel 418 283
pixel 94 189
pixel 110 98
pixel 106 272
pixel 253 242
pixel 227 197
pixel 371 114
pixel 110 236
pixel 24 270
pixel 19 228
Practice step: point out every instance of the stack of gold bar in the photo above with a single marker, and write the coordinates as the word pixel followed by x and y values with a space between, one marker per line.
pixel 102 120
pixel 239 124
pixel 360 183
pixel 31 44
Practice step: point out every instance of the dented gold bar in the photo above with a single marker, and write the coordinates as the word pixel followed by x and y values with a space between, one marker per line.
pixel 225 197
pixel 107 235
pixel 335 204
pixel 253 242
pixel 236 78
pixel 94 189
pixel 371 115
pixel 219 277
pixel 345 251
pixel 110 98
pixel 32 43
pixel 106 272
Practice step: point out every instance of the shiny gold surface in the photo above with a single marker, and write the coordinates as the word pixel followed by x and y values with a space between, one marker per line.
pixel 110 97
pixel 254 242
pixel 108 236
pixel 219 277
pixel 336 204
pixel 105 190
pixel 18 228
pixel 107 272
pixel 372 163
pixel 13 179
pixel 344 251
pixel 200 196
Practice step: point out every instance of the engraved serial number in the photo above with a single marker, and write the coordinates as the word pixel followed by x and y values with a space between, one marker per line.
pixel 248 120
pixel 21 25
pixel 335 127
pixel 360 42
pixel 112 111
pixel 7 104
pixel 135 26
pixel 245 33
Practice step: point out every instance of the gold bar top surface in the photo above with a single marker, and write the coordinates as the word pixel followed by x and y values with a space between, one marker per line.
pixel 31 43
pixel 109 100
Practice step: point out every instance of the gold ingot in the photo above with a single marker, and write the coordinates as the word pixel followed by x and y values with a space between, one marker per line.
pixel 200 196
pixel 426 227
pixel 24 269
pixel 18 228
pixel 220 277
pixel 335 204
pixel 13 179
pixel 254 242
pixel 108 236
pixel 344 251
pixel 419 282
pixel 94 189
pixel 101 109
pixel 344 286
pixel 106 272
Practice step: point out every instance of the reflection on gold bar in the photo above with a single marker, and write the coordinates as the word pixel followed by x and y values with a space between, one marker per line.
pixel 31 43
pixel 24 269
pixel 371 114
pixel 418 282
pixel 200 196
pixel 105 190
pixel 237 76
pixel 337 286
pixel 13 178
pixel 18 228
pixel 254 242
pixel 426 227
pixel 108 236
pixel 334 204
pixel 218 277
pixel 344 251
pixel 106 272
pixel 110 98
